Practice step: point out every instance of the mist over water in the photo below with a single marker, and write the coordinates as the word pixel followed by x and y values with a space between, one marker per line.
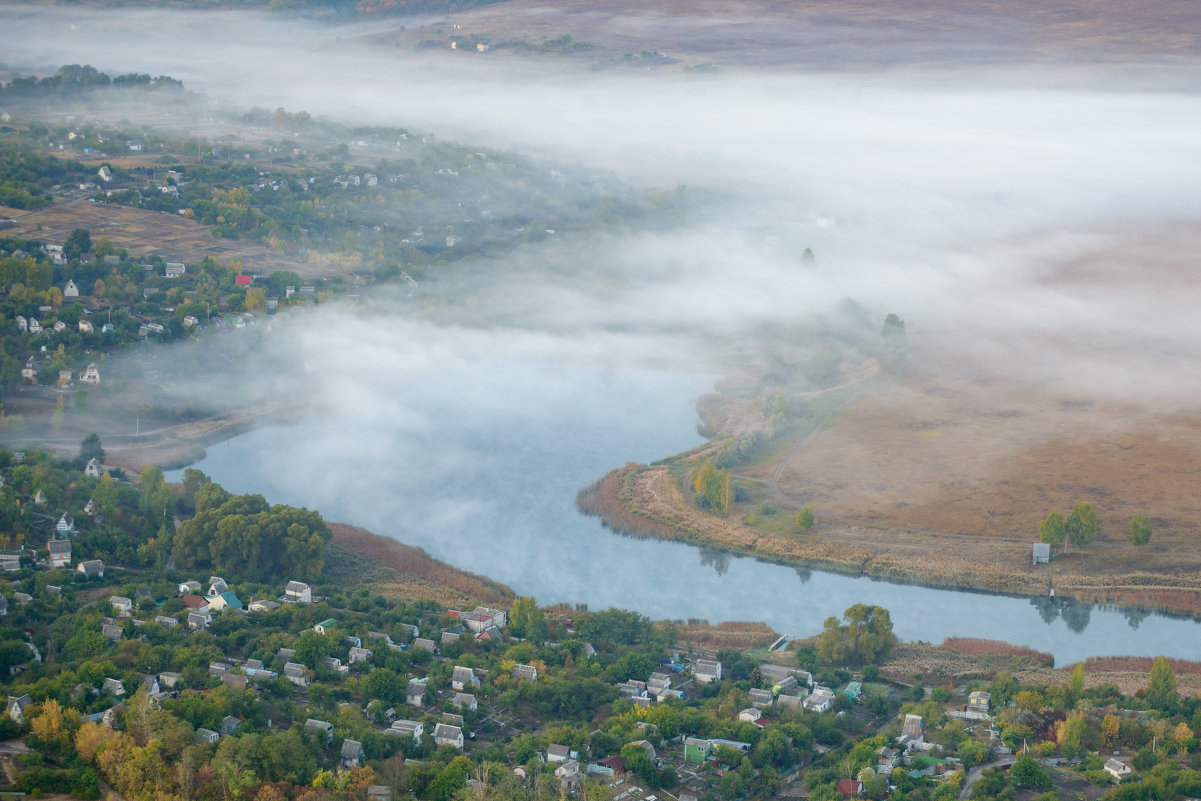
pixel 1031 218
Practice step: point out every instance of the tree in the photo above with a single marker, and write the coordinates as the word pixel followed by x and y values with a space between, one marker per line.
pixel 1081 525
pixel 1140 530
pixel 1053 529
pixel 90 449
pixel 893 332
pixel 1161 686
pixel 805 518
pixel 1026 772
pixel 78 241
pixel 527 620
pixel 1110 728
pixel 1077 681
pixel 864 638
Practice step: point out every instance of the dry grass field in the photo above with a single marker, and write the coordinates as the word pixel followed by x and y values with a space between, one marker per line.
pixel 146 234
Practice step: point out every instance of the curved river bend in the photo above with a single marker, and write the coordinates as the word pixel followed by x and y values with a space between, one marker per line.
pixel 490 488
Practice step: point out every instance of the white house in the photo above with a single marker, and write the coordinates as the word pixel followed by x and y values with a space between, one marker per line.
pixel 122 606
pixel 706 670
pixel 1116 768
pixel 408 728
pixel 90 375
pixel 820 700
pixel 93 468
pixel 70 290
pixel 445 734
pixel 65 525
pixel 85 327
pixel 463 677
pixel 297 592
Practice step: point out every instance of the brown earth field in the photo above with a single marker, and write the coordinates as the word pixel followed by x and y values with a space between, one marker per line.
pixel 829 34
pixel 357 558
pixel 146 234
pixel 939 472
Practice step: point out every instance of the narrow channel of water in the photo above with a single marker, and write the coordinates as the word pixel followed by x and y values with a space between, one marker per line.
pixel 490 487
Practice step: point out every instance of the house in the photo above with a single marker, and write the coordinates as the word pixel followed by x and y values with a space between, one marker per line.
pixel 334 665
pixel 16 708
pixel 229 724
pixel 465 701
pixel 463 677
pixel 176 269
pixel 207 736
pixel 85 327
pixel 34 326
pixel 10 562
pixel 296 673
pixel 226 600
pixel 352 752
pixel 286 655
pixel 913 728
pixel 760 698
pixel 325 625
pixel 65 525
pixel 70 290
pixel 217 586
pixel 105 174
pixel 166 622
pixel 423 644
pixel 820 700
pixel 1114 767
pixel 122 606
pixel 407 631
pixel 199 619
pixel 360 654
pixel 657 683
pixel 321 728
pixel 849 788
pixel 352 641
pixel 569 775
pixel 168 679
pixel 23 598
pixel 242 280
pixel 92 568
pixel 415 693
pixel 262 606
pixel 979 701
pixel 525 673
pixel 237 681
pixel 448 637
pixel 90 374
pixel 297 592
pixel 218 668
pixel 615 764
pixel 189 587
pixel 60 553
pixel 491 633
pixel 706 670
pixel 408 728
pixel 557 753
pixel 696 749
pixel 93 468
pixel 113 687
pixel 886 759
pixel 750 715
pixel 195 603
pixel 448 735
pixel 632 688
pixel 1041 553
pixel 111 631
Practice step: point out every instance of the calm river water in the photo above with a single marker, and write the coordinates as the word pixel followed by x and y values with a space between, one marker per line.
pixel 491 488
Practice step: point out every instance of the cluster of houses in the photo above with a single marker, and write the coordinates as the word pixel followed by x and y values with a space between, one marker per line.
pixel 58 545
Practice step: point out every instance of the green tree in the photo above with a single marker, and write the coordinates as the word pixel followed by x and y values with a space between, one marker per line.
pixel 527 620
pixel 1081 525
pixel 1077 680
pixel 90 449
pixel 864 638
pixel 1161 686
pixel 805 518
pixel 1053 529
pixel 1140 530
pixel 1026 772
pixel 78 241
pixel 893 332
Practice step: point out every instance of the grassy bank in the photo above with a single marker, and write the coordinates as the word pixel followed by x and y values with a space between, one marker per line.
pixel 643 501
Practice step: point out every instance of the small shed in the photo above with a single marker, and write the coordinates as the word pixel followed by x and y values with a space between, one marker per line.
pixel 1041 553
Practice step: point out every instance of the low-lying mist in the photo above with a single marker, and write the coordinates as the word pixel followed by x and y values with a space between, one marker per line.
pixel 1031 223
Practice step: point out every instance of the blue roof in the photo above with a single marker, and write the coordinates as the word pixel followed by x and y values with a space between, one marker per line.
pixel 231 599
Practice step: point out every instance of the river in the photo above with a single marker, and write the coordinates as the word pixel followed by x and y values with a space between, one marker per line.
pixel 490 488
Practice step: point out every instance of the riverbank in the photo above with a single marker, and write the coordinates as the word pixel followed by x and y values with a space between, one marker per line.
pixel 650 501
pixel 356 558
